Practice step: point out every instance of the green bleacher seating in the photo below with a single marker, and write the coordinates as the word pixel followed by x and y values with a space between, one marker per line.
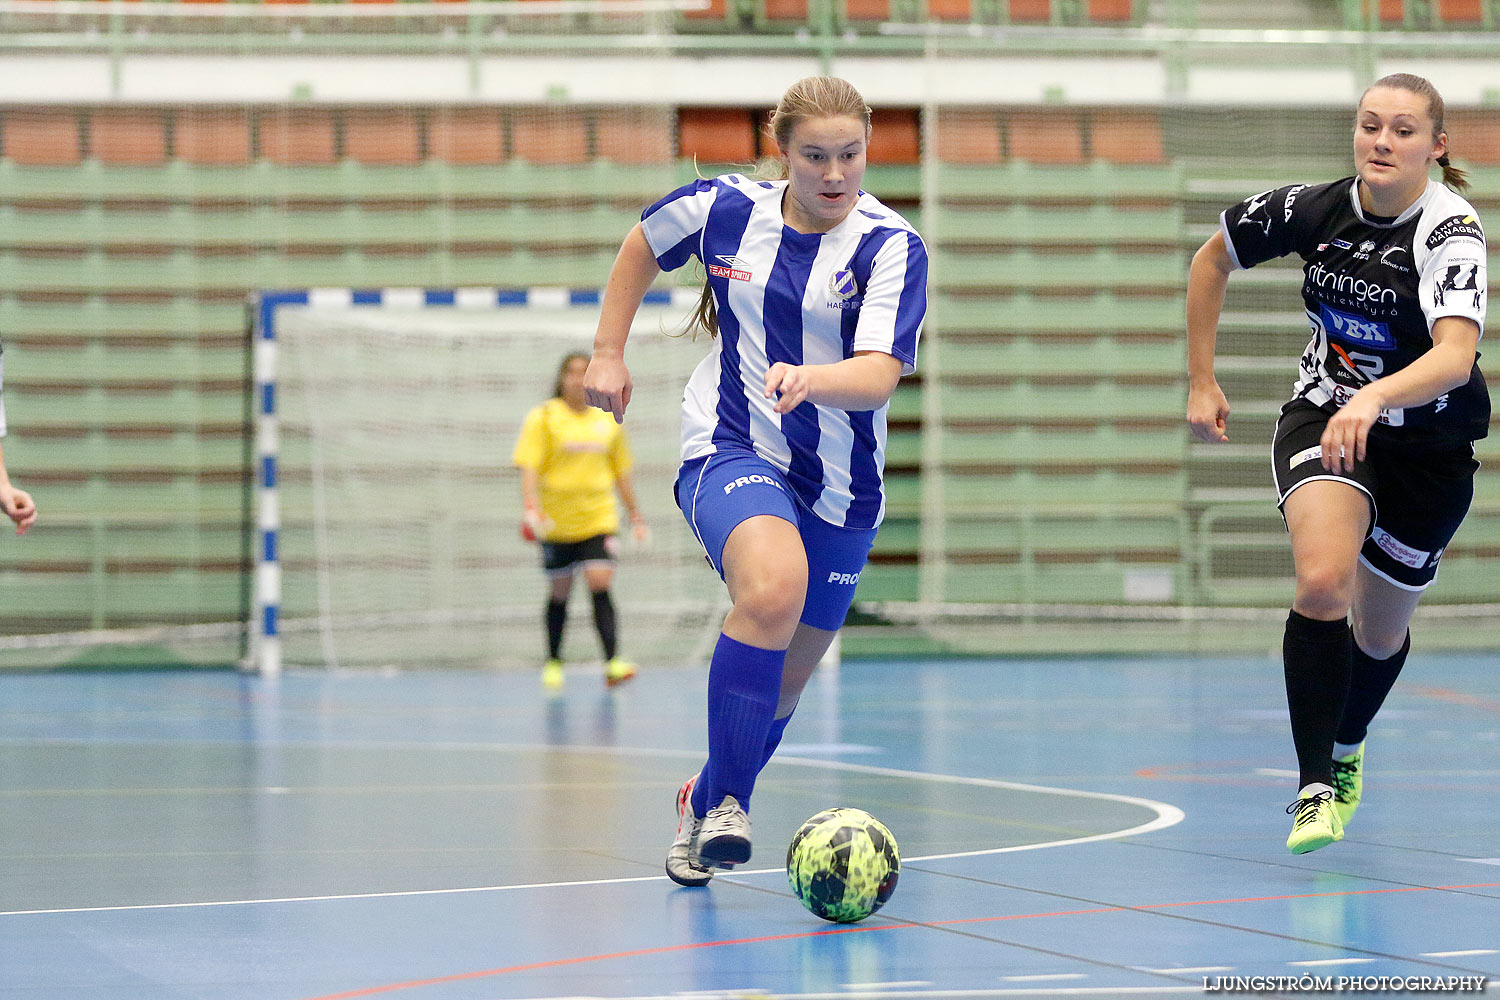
pixel 1020 224
pixel 1030 314
pixel 1054 354
pixel 1082 269
pixel 1096 181
pixel 1100 400
pixel 1099 445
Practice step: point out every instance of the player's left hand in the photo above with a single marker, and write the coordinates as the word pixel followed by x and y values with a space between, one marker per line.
pixel 1348 431
pixel 791 381
pixel 19 507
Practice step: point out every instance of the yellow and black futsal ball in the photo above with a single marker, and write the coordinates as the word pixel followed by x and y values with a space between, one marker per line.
pixel 843 864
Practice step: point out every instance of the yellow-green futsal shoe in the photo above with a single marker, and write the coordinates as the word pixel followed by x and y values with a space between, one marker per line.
pixel 552 675
pixel 1348 784
pixel 1315 823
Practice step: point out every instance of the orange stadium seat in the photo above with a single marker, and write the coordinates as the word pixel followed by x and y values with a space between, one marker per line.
pixel 1461 11
pixel 550 136
pixel 1046 137
pixel 969 136
pixel 467 136
pixel 1111 11
pixel 1474 136
pixel 388 136
pixel 42 138
pixel 786 11
pixel 716 135
pixel 867 10
pixel 634 135
pixel 1030 11
pixel 1390 11
pixel 950 10
pixel 128 138
pixel 213 136
pixel 1128 137
pixel 896 136
pixel 300 137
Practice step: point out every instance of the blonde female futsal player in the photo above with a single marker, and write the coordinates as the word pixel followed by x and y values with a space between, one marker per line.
pixel 1373 457
pixel 816 293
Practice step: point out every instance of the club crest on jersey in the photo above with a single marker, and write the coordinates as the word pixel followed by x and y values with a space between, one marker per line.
pixel 843 288
pixel 733 267
pixel 1355 329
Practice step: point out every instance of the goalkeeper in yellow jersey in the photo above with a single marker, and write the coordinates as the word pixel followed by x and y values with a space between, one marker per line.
pixel 573 459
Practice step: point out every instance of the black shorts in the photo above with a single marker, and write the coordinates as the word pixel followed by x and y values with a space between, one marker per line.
pixel 1418 494
pixel 559 558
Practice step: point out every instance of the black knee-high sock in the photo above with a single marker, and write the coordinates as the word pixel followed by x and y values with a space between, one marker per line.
pixel 557 617
pixel 604 621
pixel 1370 682
pixel 1316 658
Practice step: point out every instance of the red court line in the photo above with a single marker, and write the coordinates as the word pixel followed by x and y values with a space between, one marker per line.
pixel 1457 698
pixel 1227 772
pixel 460 977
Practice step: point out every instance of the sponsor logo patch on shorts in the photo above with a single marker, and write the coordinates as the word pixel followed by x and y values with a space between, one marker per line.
pixel 1399 551
pixel 1310 455
pixel 731 486
pixel 848 579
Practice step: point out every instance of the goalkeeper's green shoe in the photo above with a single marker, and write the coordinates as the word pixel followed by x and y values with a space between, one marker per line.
pixel 1315 823
pixel 1348 784
pixel 552 675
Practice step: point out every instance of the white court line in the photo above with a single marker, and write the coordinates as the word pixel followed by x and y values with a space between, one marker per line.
pixel 1198 969
pixel 1166 815
pixel 1333 961
pixel 1046 991
pixel 1460 954
pixel 1043 978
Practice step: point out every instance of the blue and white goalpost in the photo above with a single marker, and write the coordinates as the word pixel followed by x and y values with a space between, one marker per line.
pixel 387 506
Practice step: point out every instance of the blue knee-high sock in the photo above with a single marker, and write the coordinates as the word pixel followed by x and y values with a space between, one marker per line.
pixel 773 738
pixel 744 684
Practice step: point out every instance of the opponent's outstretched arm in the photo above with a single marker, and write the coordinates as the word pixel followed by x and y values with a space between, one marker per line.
pixel 1208 409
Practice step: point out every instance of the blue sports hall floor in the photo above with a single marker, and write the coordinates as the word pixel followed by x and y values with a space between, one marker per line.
pixel 1069 827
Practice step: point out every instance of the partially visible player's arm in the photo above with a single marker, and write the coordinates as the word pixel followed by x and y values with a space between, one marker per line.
pixel 863 382
pixel 1445 367
pixel 16 503
pixel 534 523
pixel 606 384
pixel 626 488
pixel 1208 409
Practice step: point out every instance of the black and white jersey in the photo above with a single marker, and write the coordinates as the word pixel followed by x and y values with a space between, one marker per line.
pixel 1372 288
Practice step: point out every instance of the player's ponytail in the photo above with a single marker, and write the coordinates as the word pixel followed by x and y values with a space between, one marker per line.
pixel 1453 177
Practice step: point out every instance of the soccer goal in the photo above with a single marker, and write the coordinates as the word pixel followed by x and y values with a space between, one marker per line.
pixel 388 508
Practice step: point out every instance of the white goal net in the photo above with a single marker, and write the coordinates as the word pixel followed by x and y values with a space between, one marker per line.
pixel 390 522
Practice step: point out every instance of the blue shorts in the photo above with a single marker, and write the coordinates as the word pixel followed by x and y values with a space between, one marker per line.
pixel 719 491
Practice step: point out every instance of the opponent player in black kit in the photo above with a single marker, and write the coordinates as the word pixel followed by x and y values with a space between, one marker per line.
pixel 1373 456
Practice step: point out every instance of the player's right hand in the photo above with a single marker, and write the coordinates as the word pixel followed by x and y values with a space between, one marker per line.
pixel 1208 413
pixel 606 384
pixel 534 525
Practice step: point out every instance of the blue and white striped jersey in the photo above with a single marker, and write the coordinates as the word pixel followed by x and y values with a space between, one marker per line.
pixel 802 299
